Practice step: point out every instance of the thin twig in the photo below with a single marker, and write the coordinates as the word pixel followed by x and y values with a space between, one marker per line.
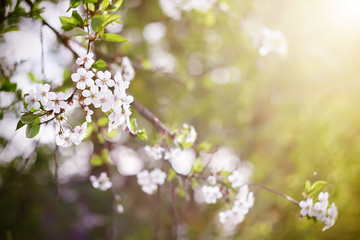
pixel 290 199
pixel 152 118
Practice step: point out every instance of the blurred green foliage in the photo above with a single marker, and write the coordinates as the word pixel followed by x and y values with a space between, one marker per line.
pixel 289 115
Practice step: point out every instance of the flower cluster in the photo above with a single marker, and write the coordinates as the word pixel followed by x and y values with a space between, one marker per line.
pixel 320 210
pixel 49 101
pixel 102 182
pixel 104 92
pixel 243 202
pixel 67 138
pixel 149 181
pixel 211 194
pixel 156 152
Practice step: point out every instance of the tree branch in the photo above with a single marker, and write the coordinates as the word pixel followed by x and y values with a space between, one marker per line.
pixel 290 199
pixel 153 119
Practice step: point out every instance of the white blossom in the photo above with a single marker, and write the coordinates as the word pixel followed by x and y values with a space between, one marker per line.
pixel 158 176
pixel 320 210
pixel 244 201
pixel 57 102
pixel 83 78
pixel 103 80
pixel 182 160
pixel 120 208
pixel 149 181
pixel 42 93
pixel 211 194
pixel 32 101
pixel 86 60
pixel 102 182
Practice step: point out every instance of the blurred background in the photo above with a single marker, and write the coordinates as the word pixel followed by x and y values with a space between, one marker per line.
pixel 277 82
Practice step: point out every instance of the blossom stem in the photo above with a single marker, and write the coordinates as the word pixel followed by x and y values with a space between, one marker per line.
pixel 287 197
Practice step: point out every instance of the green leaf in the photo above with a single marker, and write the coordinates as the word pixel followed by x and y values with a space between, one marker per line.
pixel 90 1
pixel 100 64
pixel 133 124
pixel 113 133
pixel 204 146
pixel 96 160
pixel 8 86
pixel 104 4
pixel 68 23
pixel 198 166
pixel 74 4
pixel 97 21
pixel 33 128
pixel 112 37
pixel 19 125
pixel 19 94
pixel 28 118
pixel 100 21
pixel 11 29
pixel 141 134
pixel 1 115
pixel 91 7
pixel 116 6
pixel 316 187
pixel 77 16
pixel 103 121
pixel 78 32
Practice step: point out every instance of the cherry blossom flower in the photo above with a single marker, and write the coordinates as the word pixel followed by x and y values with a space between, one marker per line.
pixel 83 77
pixel 306 206
pixel 149 181
pixel 158 176
pixel 86 60
pixel 32 101
pixel 102 182
pixel 57 103
pixel 43 92
pixel 79 133
pixel 104 80
pixel 90 95
pixel 320 210
pixel 182 160
pixel 211 194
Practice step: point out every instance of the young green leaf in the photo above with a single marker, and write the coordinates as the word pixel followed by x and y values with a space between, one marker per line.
pixel 28 117
pixel 115 6
pixel 90 1
pixel 112 37
pixel 96 160
pixel 100 64
pixel 33 128
pixel 68 23
pixel 74 4
pixel 104 4
pixel 78 32
pixel 96 22
pixel 19 125
pixel 77 16
pixel 141 134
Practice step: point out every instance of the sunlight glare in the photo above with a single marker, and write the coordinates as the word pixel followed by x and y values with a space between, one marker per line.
pixel 346 12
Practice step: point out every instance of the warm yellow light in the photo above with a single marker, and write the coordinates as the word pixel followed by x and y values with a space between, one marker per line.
pixel 346 13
